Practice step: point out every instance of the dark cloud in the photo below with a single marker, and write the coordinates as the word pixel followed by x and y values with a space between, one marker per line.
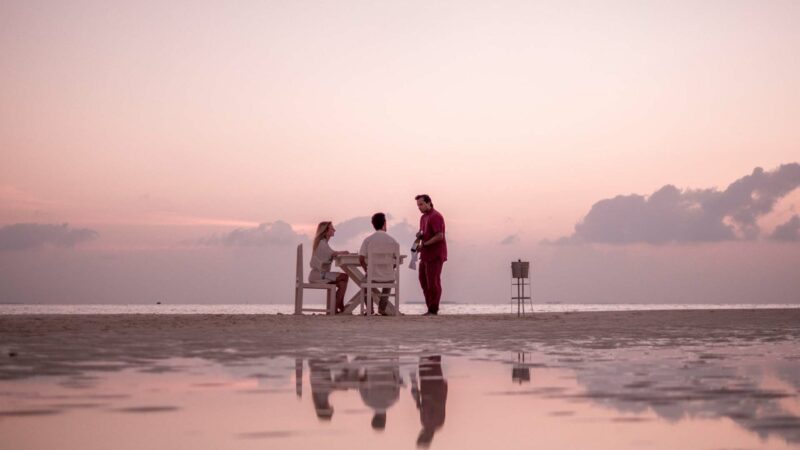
pixel 24 236
pixel 674 215
pixel 511 239
pixel 789 231
pixel 278 232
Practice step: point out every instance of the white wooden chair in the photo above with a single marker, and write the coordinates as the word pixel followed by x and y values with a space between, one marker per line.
pixel 300 285
pixel 382 255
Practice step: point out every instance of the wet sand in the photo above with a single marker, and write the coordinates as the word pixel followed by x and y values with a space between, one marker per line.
pixel 655 379
pixel 61 344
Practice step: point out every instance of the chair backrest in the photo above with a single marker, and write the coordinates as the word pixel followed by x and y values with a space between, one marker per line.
pixel 383 261
pixel 299 274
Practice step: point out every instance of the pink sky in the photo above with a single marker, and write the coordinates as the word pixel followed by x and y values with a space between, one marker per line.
pixel 157 124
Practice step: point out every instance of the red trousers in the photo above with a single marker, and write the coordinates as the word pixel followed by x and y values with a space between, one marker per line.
pixel 430 278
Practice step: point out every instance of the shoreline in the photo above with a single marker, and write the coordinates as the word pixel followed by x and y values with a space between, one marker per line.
pixel 482 309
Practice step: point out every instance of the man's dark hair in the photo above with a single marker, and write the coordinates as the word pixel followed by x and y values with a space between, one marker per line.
pixel 425 198
pixel 378 220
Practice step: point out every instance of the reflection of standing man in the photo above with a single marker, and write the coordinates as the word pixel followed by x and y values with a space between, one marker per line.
pixel 430 397
pixel 433 252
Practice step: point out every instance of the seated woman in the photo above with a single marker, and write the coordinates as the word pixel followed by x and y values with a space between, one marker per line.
pixel 321 258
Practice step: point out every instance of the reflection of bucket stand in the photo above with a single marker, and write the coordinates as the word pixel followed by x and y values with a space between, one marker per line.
pixel 521 372
pixel 519 279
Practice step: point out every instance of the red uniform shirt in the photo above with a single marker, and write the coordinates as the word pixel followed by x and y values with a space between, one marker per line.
pixel 430 224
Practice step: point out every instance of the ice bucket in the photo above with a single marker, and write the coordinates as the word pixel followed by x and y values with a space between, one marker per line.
pixel 519 269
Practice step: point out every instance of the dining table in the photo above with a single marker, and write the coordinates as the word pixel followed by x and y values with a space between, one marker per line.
pixel 350 264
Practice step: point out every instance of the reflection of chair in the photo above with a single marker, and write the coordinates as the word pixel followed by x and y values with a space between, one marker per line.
pixel 383 259
pixel 299 285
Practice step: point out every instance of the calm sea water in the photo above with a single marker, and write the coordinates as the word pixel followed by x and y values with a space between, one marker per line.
pixel 411 308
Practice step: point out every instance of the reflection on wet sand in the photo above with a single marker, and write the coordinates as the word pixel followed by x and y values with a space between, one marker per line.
pixel 759 394
pixel 379 382
pixel 430 397
pixel 321 388
pixel 574 394
pixel 699 386
pixel 379 388
pixel 521 372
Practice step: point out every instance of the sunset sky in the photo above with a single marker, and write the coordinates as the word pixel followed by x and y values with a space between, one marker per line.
pixel 156 129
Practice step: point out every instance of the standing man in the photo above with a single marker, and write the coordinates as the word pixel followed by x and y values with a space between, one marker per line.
pixel 433 253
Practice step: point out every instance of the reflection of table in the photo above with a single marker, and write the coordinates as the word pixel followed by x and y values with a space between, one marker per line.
pixel 352 267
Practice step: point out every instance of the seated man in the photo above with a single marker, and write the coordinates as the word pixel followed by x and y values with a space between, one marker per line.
pixel 382 273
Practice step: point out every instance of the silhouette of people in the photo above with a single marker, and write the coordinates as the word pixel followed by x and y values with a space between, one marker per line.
pixel 380 389
pixel 430 397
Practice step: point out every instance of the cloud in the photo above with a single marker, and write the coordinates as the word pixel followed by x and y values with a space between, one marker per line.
pixel 282 233
pixel 269 233
pixel 789 231
pixel 352 228
pixel 361 226
pixel 511 239
pixel 24 236
pixel 403 232
pixel 691 215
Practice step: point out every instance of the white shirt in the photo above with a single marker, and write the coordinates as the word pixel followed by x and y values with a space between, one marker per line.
pixel 380 272
pixel 381 389
pixel 322 257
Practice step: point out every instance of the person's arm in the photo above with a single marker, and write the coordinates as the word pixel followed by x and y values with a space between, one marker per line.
pixel 362 255
pixel 436 238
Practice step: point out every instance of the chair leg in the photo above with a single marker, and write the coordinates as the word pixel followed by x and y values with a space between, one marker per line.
pixel 369 304
pixel 397 299
pixel 298 300
pixel 331 302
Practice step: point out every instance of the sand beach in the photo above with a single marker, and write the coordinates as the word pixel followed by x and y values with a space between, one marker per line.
pixel 633 379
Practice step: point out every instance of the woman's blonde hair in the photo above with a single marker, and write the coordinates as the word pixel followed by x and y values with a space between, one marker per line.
pixel 322 228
